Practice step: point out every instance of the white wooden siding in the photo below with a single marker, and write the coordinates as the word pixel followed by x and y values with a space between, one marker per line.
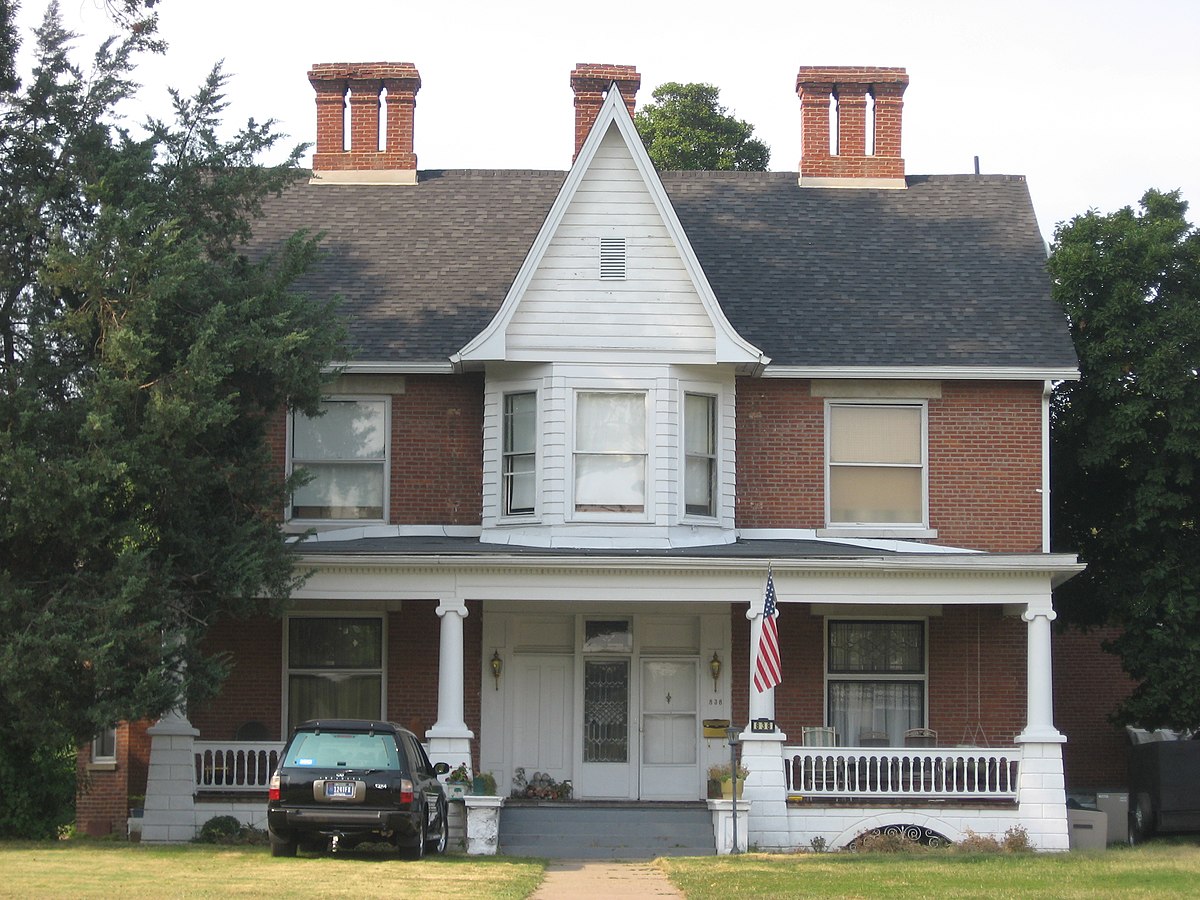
pixel 653 315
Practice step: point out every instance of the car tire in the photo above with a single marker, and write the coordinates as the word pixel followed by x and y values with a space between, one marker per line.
pixel 282 847
pixel 1141 819
pixel 438 844
pixel 417 850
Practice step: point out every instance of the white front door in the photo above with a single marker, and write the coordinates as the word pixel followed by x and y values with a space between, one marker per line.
pixel 541 724
pixel 669 729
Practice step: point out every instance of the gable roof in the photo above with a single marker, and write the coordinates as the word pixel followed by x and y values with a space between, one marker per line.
pixel 948 272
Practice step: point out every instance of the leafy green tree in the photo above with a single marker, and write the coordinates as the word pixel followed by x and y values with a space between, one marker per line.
pixel 143 361
pixel 1127 445
pixel 687 128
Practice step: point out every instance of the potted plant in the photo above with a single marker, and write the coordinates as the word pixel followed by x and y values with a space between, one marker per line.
pixel 458 782
pixel 723 776
pixel 484 784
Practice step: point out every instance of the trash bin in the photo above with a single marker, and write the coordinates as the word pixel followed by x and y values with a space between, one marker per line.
pixel 1087 828
pixel 1116 805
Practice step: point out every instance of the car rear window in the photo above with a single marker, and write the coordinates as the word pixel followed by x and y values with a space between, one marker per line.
pixel 335 750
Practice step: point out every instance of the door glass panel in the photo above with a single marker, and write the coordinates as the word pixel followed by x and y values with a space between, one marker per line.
pixel 606 711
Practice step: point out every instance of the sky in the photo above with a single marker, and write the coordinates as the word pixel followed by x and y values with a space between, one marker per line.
pixel 1094 101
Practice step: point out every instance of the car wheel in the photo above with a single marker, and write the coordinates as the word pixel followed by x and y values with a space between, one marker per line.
pixel 1140 819
pixel 282 847
pixel 417 850
pixel 438 844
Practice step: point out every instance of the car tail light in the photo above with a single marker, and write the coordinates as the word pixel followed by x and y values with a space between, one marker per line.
pixel 406 791
pixel 273 787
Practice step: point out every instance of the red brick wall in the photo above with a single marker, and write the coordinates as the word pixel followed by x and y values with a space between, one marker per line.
pixel 984 461
pixel 252 692
pixel 414 636
pixel 437 451
pixel 1088 685
pixel 102 792
pixel 976 673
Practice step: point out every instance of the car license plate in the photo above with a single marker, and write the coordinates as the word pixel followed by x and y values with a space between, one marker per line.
pixel 339 789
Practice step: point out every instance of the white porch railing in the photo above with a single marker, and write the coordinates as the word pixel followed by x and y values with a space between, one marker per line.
pixel 942 773
pixel 235 766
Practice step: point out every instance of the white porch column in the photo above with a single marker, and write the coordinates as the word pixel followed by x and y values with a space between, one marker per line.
pixel 170 805
pixel 762 754
pixel 449 738
pixel 1041 787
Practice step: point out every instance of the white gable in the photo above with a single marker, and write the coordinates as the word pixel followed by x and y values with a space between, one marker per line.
pixel 560 308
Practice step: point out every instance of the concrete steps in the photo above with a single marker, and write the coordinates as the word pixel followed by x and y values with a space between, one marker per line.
pixel 605 830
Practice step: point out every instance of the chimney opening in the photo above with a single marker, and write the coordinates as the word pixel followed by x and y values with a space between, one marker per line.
pixel 833 124
pixel 347 121
pixel 381 138
pixel 869 125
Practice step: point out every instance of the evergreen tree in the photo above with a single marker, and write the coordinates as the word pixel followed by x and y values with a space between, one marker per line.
pixel 143 360
pixel 1126 453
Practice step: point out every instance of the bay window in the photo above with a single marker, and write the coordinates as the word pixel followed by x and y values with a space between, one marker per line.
pixel 875 677
pixel 700 454
pixel 610 452
pixel 519 453
pixel 344 451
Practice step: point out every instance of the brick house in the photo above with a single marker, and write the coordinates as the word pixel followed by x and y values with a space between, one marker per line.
pixel 589 410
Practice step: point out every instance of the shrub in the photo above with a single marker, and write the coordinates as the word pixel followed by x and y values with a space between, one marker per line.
pixel 1015 840
pixel 221 830
pixel 885 842
pixel 37 782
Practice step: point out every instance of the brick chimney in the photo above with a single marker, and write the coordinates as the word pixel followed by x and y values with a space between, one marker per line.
pixel 590 82
pixel 364 162
pixel 854 164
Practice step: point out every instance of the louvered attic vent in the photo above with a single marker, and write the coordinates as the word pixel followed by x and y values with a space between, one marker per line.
pixel 612 258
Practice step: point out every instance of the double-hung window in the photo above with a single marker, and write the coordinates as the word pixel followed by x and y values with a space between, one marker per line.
pixel 610 452
pixel 876 471
pixel 334 668
pixel 104 746
pixel 344 451
pixel 875 675
pixel 520 453
pixel 700 454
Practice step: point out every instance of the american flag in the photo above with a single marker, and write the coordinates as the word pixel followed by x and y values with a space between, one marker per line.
pixel 767 669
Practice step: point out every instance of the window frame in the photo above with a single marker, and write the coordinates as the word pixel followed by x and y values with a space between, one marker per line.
pixel 922 407
pixel 714 457
pixel 646 453
pixel 295 463
pixel 840 677
pixel 505 512
pixel 288 670
pixel 101 755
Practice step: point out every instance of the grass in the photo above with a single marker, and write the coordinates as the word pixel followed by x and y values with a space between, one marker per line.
pixel 83 868
pixel 1157 870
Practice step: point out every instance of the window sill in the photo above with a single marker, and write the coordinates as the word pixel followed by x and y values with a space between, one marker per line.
pixel 104 765
pixel 873 531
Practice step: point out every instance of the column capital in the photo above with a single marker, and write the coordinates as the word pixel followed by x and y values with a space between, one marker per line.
pixel 452 605
pixel 1048 614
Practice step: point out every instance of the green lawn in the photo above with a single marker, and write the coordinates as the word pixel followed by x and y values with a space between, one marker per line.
pixel 112 869
pixel 1156 870
pixel 120 871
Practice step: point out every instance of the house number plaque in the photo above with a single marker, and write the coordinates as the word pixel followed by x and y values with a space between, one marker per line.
pixel 762 726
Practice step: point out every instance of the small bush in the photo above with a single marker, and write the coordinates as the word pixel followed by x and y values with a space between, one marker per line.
pixel 221 830
pixel 885 842
pixel 1015 840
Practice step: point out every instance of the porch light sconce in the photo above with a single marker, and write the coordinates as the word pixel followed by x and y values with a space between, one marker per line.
pixel 714 666
pixel 497 667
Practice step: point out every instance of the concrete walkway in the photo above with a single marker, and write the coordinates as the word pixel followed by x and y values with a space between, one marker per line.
pixel 567 880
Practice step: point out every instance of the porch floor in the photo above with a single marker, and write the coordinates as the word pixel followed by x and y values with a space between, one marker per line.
pixel 606 829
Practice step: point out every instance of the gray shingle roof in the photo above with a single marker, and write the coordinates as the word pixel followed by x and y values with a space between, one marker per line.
pixel 949 271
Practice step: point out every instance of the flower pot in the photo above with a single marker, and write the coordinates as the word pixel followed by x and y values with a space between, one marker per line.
pixel 456 790
pixel 727 789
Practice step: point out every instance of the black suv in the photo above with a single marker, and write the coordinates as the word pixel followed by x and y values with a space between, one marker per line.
pixel 341 782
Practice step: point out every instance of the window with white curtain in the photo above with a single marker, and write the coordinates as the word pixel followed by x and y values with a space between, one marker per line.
pixel 344 451
pixel 610 451
pixel 875 462
pixel 700 454
pixel 335 668
pixel 520 453
pixel 876 678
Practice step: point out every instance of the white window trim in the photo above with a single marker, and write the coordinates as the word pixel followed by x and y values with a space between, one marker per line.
pixel 100 759
pixel 332 614
pixel 503 517
pixel 649 398
pixel 876 676
pixel 715 392
pixel 387 461
pixel 880 529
